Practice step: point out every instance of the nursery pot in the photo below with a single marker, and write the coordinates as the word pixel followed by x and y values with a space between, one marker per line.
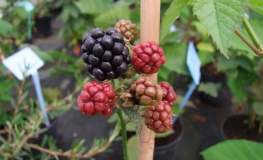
pixel 43 26
pixel 224 95
pixel 234 127
pixel 169 143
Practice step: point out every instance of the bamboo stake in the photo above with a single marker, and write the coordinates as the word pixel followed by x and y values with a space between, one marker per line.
pixel 150 22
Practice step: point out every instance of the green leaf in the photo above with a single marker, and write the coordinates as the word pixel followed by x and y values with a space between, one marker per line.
pixel 176 110
pixel 234 149
pixel 126 2
pixel 237 84
pixel 175 54
pixel 203 46
pixel 209 88
pixel 5 26
pixel 132 147
pixel 220 17
pixel 94 7
pixel 257 87
pixel 135 117
pixel 256 5
pixel 205 57
pixel 109 18
pixel 160 135
pixel 62 56
pixel 163 74
pixel 226 64
pixel 170 15
pixel 171 37
pixel 237 87
pixel 135 17
pixel 130 127
pixel 258 108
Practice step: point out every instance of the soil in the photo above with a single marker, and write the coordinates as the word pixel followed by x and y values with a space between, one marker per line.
pixel 235 128
pixel 161 141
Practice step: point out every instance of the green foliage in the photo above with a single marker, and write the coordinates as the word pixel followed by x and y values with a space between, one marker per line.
pixel 76 22
pixel 176 57
pixel 171 14
pixel 109 18
pixel 209 88
pixel 94 7
pixel 132 143
pixel 234 149
pixel 6 27
pixel 51 94
pixel 256 5
pixel 16 16
pixel 258 107
pixel 42 8
pixel 220 17
pixel 134 116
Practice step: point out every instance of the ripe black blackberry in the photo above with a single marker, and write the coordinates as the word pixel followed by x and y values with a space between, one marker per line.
pixel 105 54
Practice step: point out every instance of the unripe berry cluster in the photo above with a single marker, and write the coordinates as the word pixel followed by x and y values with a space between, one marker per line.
pixel 159 117
pixel 169 95
pixel 127 29
pixel 146 92
pixel 96 98
pixel 147 57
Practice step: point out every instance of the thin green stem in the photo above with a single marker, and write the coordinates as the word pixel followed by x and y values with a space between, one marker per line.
pixel 251 46
pixel 123 134
pixel 252 33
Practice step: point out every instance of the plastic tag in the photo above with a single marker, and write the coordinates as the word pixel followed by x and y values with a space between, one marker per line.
pixel 28 6
pixel 23 61
pixel 173 28
pixel 193 63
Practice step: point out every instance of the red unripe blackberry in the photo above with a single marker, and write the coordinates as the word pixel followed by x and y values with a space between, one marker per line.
pixel 158 118
pixel 96 98
pixel 127 29
pixel 146 92
pixel 105 54
pixel 147 57
pixel 169 95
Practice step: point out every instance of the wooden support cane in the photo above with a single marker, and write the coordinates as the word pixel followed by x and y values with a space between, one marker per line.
pixel 150 26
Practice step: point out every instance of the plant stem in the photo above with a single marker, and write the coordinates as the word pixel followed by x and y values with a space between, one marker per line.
pixel 251 46
pixel 251 33
pixel 123 134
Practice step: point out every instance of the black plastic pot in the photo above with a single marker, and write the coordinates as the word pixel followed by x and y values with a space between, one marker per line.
pixel 234 127
pixel 43 26
pixel 224 95
pixel 168 151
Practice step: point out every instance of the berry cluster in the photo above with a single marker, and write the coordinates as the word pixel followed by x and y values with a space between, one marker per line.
pixel 147 57
pixel 96 98
pixel 105 54
pixel 146 92
pixel 159 117
pixel 127 29
pixel 169 95
pixel 107 57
